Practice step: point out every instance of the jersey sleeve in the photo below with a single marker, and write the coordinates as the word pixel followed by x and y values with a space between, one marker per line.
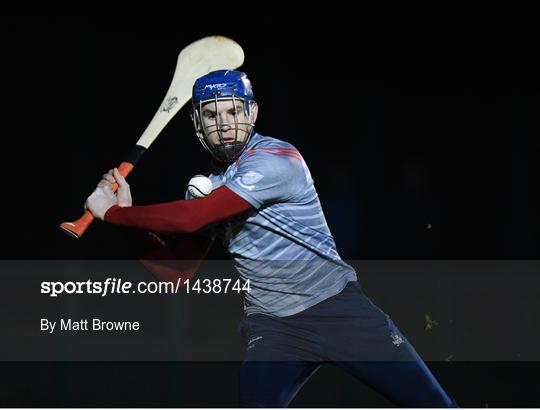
pixel 269 176
pixel 180 216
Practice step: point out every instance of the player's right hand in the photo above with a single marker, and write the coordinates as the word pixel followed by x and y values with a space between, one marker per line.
pixel 123 193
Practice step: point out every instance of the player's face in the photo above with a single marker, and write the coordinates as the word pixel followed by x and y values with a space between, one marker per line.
pixel 225 122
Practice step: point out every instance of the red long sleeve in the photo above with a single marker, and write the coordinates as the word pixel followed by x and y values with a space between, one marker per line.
pixel 181 216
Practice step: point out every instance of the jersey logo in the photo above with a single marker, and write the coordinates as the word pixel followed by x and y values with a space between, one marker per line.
pixel 249 180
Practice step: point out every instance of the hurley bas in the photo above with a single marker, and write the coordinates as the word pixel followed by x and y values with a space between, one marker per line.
pixel 88 325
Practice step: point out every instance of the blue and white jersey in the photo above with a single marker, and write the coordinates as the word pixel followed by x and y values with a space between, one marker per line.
pixel 284 246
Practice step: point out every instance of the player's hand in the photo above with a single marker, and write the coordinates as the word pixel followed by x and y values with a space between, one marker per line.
pixel 103 198
pixel 100 201
pixel 123 193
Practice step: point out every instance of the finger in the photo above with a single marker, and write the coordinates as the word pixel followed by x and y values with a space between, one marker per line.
pixel 102 192
pixel 107 190
pixel 104 182
pixel 109 177
pixel 119 178
pixel 97 192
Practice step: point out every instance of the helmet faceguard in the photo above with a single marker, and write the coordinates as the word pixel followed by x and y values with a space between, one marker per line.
pixel 208 91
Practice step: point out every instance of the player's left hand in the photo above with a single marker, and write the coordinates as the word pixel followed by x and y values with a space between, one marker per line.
pixel 100 201
pixel 103 197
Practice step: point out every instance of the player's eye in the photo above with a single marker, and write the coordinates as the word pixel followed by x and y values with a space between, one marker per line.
pixel 235 111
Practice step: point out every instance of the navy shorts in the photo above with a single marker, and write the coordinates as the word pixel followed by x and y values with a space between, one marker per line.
pixel 346 330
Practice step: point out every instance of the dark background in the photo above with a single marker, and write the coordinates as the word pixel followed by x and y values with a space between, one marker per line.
pixel 420 128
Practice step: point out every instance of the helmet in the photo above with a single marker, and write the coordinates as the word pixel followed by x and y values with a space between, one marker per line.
pixel 216 86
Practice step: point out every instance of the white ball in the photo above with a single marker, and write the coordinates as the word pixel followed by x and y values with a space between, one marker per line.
pixel 199 186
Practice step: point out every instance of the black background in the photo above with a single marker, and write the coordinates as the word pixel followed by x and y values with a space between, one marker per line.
pixel 408 119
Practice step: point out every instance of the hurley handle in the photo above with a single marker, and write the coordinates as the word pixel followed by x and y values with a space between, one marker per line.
pixel 77 228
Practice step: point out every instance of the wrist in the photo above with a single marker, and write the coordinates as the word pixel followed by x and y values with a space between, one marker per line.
pixel 124 204
pixel 109 212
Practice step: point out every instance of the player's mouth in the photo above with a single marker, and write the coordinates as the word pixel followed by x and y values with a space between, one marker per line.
pixel 228 139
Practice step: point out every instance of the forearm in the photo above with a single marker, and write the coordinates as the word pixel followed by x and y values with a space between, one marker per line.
pixel 180 216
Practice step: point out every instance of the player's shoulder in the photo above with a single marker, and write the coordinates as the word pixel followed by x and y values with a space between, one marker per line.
pixel 267 141
pixel 269 147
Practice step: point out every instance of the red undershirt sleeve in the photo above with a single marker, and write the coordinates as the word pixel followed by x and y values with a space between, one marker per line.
pixel 183 216
pixel 179 258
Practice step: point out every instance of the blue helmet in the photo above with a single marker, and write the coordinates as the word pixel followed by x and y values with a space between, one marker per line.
pixel 217 86
pixel 222 84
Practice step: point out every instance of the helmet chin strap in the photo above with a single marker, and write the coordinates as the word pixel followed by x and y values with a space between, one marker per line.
pixel 228 152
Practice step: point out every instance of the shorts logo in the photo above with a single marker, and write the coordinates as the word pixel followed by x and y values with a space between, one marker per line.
pixel 250 343
pixel 249 180
pixel 396 339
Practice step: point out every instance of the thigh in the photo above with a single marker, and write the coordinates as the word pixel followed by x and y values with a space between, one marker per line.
pixel 364 341
pixel 280 339
pixel 355 329
pixel 272 383
pixel 383 357
pixel 280 357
